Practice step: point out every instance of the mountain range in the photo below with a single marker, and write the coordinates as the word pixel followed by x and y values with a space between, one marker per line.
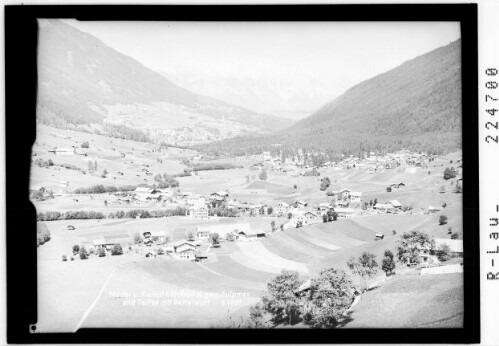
pixel 416 105
pixel 83 81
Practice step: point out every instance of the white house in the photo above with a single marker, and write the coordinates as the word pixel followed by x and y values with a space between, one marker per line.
pixel 355 196
pixel 185 250
pixel 199 212
pixel 282 208
pixel 387 208
pixel 345 212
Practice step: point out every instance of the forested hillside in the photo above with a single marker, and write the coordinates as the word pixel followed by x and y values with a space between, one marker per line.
pixel 416 106
pixel 79 75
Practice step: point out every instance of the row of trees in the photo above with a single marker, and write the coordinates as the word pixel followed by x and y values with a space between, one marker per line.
pixel 69 215
pixel 83 253
pixel 96 189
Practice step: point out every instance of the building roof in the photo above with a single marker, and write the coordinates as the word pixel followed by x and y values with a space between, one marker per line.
pixel 395 203
pixel 356 194
pixel 158 233
pixel 142 189
pixel 223 229
pixel 284 204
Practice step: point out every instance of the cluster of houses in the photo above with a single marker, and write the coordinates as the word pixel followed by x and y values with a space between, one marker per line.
pixel 296 165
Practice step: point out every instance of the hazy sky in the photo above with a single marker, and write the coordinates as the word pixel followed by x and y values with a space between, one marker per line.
pixel 336 55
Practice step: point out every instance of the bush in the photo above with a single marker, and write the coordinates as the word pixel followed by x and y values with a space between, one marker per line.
pixel 83 253
pixel 101 252
pixel 161 251
pixel 388 263
pixel 117 250
pixel 64 258
pixel 76 249
pixel 72 258
pixel 394 232
pixel 442 220
pixel 85 145
pixel 454 235
pixel 444 205
pixel 449 173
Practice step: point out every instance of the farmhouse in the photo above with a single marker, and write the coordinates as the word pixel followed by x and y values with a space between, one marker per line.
pixel 203 233
pixel 324 208
pixel 101 243
pixel 185 250
pixel 249 234
pixel 387 208
pixel 201 258
pixel 311 215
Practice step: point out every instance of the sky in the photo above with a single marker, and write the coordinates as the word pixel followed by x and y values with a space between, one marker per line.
pixel 334 55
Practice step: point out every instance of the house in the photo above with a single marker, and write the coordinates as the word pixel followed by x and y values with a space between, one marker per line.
pixel 249 234
pixel 324 208
pixel 344 194
pixel 345 212
pixel 355 196
pixel 311 215
pixel 203 233
pixel 396 204
pixel 255 209
pixel 300 204
pixel 220 194
pixel 184 249
pixel 379 236
pixel 387 208
pixel 199 212
pixel 101 243
pixel 160 236
pixel 63 151
pixel 150 254
pixel 343 204
pixel 222 229
pixel 142 191
pixel 70 228
pixel 282 208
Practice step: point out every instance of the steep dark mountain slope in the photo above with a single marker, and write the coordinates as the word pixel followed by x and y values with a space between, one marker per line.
pixel 416 105
pixel 78 74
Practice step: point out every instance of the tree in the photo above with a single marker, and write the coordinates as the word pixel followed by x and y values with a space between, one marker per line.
pixel 280 301
pixel 388 263
pixel 272 225
pixel 388 189
pixel 324 218
pixel 190 236
pixel 117 250
pixel 85 145
pixel 64 258
pixel 449 173
pixel 290 215
pixel 105 202
pixel 270 210
pixel 101 252
pixel 442 189
pixel 215 239
pixel 442 220
pixel 263 175
pixel 454 235
pixel 295 187
pixel 458 188
pixel 411 244
pixel 282 227
pixel 327 304
pixel 76 249
pixel 443 253
pixel 299 224
pixel 83 253
pixel 257 318
pixel 375 201
pixel 365 267
pixel 394 232
pixel 230 237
